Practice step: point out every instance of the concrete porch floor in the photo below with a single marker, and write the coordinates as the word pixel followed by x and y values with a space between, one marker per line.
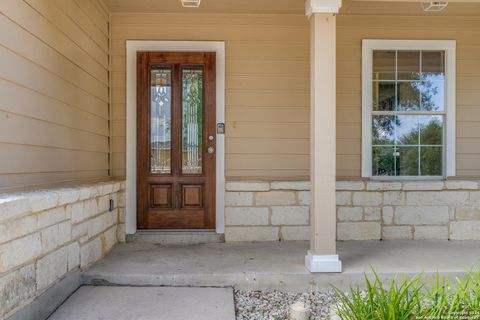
pixel 276 265
pixel 114 303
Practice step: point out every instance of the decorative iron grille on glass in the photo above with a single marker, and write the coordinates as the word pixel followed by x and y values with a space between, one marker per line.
pixel 160 120
pixel 408 113
pixel 192 100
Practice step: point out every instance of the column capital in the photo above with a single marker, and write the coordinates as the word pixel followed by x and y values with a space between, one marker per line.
pixel 322 6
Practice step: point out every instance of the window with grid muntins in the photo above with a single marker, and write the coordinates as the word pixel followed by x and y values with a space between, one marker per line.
pixel 408 113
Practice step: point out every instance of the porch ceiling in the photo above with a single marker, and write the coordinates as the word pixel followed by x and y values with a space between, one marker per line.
pixel 349 7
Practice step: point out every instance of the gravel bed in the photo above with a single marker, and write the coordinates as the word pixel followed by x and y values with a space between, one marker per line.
pixel 273 305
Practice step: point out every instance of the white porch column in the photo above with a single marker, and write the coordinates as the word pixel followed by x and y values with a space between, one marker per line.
pixel 322 256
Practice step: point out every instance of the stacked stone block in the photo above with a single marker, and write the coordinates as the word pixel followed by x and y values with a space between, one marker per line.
pixel 366 210
pixel 267 211
pixel 46 234
pixel 410 210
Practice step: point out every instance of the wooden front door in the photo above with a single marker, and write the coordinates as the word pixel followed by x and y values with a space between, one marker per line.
pixel 176 139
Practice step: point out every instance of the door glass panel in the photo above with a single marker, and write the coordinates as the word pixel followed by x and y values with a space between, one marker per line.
pixel 160 120
pixel 192 100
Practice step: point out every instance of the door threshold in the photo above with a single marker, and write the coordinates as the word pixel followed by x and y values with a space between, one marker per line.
pixel 176 236
pixel 149 231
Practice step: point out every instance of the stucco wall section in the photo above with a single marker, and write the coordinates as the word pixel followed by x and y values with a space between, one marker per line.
pixel 48 233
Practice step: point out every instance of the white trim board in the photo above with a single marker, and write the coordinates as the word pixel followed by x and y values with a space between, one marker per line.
pixel 132 46
pixel 449 46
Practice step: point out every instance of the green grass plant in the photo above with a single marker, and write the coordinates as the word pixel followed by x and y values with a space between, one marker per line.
pixel 413 298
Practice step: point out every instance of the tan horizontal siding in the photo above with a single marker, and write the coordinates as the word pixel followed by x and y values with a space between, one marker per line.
pixel 30 19
pixel 18 99
pixel 265 114
pixel 54 92
pixel 95 12
pixel 267 85
pixel 55 15
pixel 269 174
pixel 49 159
pixel 15 181
pixel 48 134
pixel 350 32
pixel 26 73
pixel 25 44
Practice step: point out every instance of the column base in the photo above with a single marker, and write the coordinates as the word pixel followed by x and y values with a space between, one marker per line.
pixel 323 263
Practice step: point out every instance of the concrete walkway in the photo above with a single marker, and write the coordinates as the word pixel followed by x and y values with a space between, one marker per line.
pixel 147 303
pixel 275 265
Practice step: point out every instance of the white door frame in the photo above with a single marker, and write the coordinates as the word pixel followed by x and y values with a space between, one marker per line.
pixel 132 47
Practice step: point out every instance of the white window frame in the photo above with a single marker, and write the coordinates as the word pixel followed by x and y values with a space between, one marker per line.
pixel 449 46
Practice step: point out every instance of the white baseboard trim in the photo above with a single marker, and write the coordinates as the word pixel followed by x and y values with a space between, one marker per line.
pixel 323 263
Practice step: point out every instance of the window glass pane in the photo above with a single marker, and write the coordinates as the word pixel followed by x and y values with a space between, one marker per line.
pixel 192 101
pixel 383 96
pixel 408 65
pixel 383 130
pixel 160 119
pixel 431 163
pixel 433 65
pixel 431 130
pixel 406 130
pixel 433 95
pixel 383 163
pixel 407 161
pixel 408 96
pixel 402 144
pixel 383 65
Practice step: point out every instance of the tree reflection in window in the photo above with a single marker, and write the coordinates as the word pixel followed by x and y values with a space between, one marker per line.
pixel 407 137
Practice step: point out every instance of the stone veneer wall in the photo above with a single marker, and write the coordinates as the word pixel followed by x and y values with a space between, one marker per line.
pixel 46 234
pixel 366 210
pixel 267 211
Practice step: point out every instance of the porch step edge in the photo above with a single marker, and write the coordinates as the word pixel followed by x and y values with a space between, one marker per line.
pixel 174 237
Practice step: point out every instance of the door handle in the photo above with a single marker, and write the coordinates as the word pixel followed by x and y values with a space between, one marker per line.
pixel 211 150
